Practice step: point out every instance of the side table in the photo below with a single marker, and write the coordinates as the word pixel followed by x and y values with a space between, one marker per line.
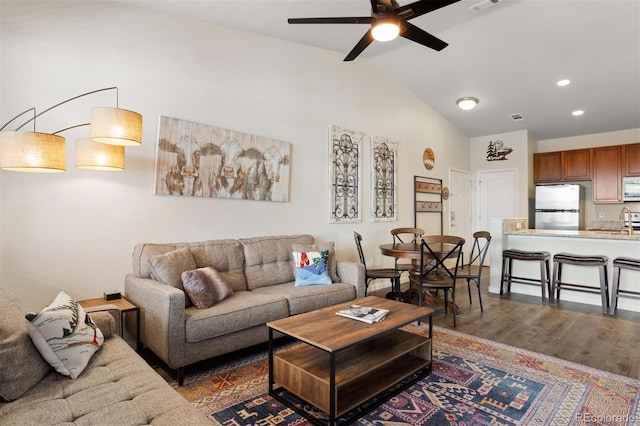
pixel 124 306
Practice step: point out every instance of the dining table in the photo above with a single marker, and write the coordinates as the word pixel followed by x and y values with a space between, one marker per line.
pixel 414 252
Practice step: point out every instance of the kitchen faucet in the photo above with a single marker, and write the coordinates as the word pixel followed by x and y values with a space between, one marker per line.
pixel 624 210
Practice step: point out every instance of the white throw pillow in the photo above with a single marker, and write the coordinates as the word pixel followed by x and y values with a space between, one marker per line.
pixel 65 335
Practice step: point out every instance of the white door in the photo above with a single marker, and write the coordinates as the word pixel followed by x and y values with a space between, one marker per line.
pixel 496 196
pixel 460 206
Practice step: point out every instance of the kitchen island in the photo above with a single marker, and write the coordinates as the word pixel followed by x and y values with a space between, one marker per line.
pixel 513 234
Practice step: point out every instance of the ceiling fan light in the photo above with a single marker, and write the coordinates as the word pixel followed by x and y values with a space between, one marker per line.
pixel 467 103
pixel 385 30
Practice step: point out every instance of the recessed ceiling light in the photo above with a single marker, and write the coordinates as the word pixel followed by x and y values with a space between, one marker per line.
pixel 577 113
pixel 467 103
pixel 563 82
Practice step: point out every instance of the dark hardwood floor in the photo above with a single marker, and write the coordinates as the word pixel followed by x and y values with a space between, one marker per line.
pixel 571 331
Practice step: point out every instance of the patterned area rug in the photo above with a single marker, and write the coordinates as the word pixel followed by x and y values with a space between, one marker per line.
pixel 474 382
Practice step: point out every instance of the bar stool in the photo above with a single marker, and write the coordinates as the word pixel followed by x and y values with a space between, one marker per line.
pixel 579 260
pixel 509 255
pixel 620 263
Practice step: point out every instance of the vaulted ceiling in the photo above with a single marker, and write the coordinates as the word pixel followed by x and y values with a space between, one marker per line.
pixel 509 56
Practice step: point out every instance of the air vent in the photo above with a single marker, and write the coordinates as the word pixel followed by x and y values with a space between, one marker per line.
pixel 516 117
pixel 485 4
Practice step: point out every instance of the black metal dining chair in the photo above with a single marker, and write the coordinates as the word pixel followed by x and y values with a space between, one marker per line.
pixel 440 257
pixel 377 273
pixel 473 270
pixel 405 235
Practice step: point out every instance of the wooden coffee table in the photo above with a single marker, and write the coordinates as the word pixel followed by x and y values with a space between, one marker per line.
pixel 344 363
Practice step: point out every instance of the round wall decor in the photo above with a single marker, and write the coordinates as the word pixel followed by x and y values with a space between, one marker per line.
pixel 428 158
pixel 445 193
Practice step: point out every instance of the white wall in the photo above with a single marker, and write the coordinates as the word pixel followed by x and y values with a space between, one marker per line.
pixel 620 137
pixel 518 159
pixel 76 231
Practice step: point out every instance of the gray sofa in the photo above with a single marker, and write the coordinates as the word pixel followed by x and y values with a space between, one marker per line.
pixel 260 271
pixel 116 387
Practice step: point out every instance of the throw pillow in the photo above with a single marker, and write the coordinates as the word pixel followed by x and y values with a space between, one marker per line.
pixel 21 366
pixel 168 268
pixel 311 267
pixel 332 266
pixel 65 335
pixel 205 287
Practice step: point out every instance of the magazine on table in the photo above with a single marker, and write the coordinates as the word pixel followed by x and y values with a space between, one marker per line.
pixel 364 313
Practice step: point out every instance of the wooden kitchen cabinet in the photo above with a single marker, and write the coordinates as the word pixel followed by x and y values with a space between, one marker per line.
pixel 562 166
pixel 607 174
pixel 576 165
pixel 547 167
pixel 632 159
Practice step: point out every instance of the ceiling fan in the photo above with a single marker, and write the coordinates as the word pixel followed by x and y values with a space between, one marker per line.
pixel 388 20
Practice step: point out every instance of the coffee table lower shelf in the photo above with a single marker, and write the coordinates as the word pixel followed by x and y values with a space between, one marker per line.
pixel 359 372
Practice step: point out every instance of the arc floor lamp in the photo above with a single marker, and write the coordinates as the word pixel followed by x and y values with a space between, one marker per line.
pixel 111 130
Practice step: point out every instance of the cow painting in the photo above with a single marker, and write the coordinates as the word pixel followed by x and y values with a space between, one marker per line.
pixel 204 161
pixel 264 173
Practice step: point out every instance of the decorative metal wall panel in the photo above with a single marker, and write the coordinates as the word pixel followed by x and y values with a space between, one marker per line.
pixel 383 180
pixel 200 160
pixel 345 148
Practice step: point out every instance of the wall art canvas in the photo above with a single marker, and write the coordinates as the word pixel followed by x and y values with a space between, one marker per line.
pixel 384 155
pixel 200 160
pixel 345 157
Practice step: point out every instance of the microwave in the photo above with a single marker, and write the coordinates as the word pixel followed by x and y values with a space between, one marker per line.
pixel 631 189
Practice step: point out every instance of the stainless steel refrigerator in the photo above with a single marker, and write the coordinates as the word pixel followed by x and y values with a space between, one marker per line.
pixel 559 207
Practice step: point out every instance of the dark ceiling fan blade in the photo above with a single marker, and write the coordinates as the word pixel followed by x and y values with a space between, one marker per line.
pixel 338 20
pixel 422 37
pixel 359 48
pixel 421 7
pixel 387 6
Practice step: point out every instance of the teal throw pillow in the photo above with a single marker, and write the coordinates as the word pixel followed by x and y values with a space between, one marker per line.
pixel 311 267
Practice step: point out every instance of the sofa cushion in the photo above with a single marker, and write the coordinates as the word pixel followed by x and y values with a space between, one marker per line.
pixel 65 335
pixel 243 310
pixel 333 269
pixel 268 259
pixel 310 298
pixel 117 387
pixel 168 268
pixel 226 256
pixel 311 267
pixel 22 365
pixel 205 287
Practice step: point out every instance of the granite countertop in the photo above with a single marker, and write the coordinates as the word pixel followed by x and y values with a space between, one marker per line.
pixel 606 234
